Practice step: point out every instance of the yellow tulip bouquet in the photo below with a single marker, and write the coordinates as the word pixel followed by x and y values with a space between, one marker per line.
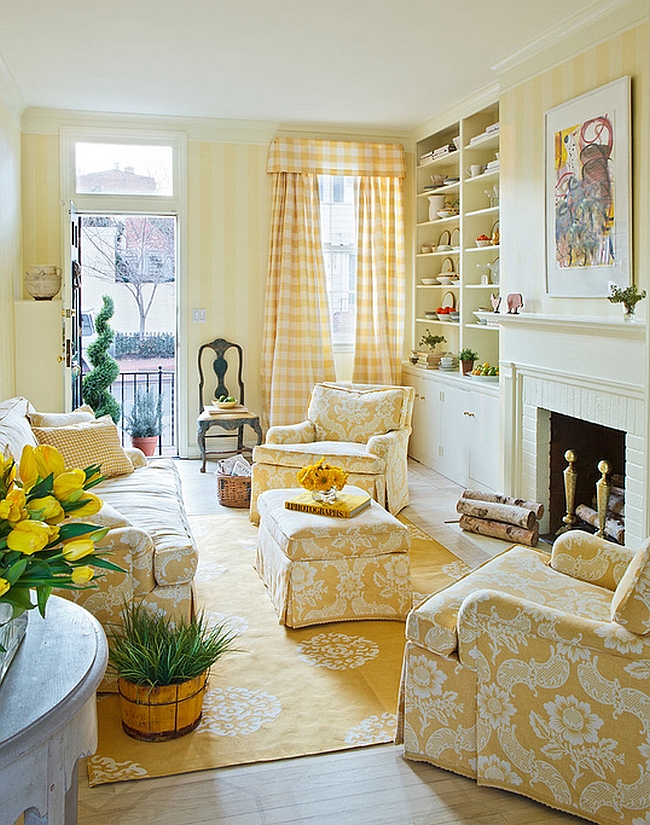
pixel 321 477
pixel 41 546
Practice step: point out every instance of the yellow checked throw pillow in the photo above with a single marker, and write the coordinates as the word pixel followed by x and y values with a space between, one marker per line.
pixel 88 442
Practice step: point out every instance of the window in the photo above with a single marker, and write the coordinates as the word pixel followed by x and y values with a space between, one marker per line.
pixel 123 169
pixel 338 197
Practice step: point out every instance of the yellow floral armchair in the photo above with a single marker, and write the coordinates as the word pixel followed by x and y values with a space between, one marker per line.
pixel 533 675
pixel 363 428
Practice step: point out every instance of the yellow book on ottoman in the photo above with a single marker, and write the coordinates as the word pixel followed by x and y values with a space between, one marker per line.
pixel 345 506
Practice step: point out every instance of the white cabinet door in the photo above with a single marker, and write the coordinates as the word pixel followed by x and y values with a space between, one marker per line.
pixel 484 470
pixel 423 444
pixel 453 450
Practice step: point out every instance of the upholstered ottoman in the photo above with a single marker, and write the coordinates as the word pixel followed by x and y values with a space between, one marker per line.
pixel 325 569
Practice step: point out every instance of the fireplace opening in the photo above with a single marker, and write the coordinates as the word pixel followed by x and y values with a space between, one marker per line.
pixel 591 443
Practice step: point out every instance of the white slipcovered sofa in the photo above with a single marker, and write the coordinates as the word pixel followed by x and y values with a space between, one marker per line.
pixel 149 535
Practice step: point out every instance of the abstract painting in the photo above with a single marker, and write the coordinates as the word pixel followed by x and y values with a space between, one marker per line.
pixel 588 193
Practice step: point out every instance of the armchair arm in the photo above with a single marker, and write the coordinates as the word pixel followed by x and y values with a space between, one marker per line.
pixel 301 433
pixel 382 445
pixel 493 627
pixel 590 559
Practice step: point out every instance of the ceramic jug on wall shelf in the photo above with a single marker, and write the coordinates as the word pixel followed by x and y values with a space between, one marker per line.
pixel 436 203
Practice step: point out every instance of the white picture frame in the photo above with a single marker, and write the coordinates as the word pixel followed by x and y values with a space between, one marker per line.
pixel 588 193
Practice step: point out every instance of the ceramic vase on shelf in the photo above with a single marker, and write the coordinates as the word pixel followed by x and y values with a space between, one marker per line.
pixel 436 203
pixel 325 496
pixel 42 282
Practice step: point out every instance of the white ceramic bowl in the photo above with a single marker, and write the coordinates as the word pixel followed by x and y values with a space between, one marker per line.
pixel 429 281
pixel 447 213
pixel 483 243
pixel 225 405
pixel 443 279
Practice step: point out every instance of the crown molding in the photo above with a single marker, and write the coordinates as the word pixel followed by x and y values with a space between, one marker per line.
pixel 468 105
pixel 576 33
pixel 48 121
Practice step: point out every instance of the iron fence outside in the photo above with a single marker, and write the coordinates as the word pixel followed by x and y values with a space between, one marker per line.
pixel 162 383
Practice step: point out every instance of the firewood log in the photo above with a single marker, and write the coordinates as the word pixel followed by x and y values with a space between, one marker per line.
pixel 497 512
pixel 499 530
pixel 613 529
pixel 497 498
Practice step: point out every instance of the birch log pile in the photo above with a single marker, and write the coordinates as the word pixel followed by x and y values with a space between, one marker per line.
pixel 499 516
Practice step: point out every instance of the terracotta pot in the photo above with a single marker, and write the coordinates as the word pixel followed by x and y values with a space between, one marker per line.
pixel 161 713
pixel 467 366
pixel 147 444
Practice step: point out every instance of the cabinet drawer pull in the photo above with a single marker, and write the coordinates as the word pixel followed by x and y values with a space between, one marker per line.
pixel 468 414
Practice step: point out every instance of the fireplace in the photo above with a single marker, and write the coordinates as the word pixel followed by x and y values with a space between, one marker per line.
pixel 591 443
pixel 536 395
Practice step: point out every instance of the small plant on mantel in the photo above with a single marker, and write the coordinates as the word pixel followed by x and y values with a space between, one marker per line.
pixel 431 341
pixel 629 297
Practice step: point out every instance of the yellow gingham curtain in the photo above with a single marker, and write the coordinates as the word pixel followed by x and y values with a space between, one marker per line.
pixel 296 345
pixel 296 348
pixel 381 278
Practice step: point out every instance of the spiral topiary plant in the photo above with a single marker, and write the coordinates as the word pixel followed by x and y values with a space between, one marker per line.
pixel 95 384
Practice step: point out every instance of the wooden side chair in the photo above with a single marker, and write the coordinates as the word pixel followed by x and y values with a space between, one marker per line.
pixel 234 420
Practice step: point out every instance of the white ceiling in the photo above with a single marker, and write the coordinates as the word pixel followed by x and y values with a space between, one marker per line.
pixel 363 63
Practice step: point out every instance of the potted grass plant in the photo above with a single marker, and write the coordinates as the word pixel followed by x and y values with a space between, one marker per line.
pixel 144 423
pixel 162 667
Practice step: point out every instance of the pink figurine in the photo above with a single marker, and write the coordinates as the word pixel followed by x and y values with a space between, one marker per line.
pixel 515 300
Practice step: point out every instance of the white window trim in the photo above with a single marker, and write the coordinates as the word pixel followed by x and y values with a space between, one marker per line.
pixel 134 205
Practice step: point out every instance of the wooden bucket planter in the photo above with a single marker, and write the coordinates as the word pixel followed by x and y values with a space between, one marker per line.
pixel 161 713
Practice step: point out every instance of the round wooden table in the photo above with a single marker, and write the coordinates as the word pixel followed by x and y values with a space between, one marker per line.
pixel 48 714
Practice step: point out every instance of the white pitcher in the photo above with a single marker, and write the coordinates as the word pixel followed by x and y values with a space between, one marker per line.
pixel 436 203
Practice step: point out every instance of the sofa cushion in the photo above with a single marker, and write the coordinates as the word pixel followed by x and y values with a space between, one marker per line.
pixel 15 431
pixel 342 413
pixel 151 498
pixel 521 572
pixel 39 419
pixel 86 443
pixel 353 456
pixel 631 600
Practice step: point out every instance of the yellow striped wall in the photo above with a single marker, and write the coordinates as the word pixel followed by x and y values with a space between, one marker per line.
pixel 227 251
pixel 10 242
pixel 522 174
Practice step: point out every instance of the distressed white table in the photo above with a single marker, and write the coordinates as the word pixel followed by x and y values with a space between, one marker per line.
pixel 48 714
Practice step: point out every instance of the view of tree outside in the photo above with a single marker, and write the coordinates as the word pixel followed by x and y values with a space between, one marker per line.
pixel 135 251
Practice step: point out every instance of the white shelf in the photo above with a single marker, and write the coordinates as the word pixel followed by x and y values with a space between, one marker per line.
pixel 473 218
pixel 485 142
pixel 489 210
pixel 493 173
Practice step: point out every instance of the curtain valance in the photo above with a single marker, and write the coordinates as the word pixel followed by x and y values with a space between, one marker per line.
pixel 336 157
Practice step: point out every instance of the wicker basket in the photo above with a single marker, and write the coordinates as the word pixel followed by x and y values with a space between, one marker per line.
pixel 233 491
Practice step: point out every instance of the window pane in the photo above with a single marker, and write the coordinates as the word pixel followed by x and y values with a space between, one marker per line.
pixel 339 236
pixel 121 169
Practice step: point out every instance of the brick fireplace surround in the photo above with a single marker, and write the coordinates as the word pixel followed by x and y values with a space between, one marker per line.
pixel 533 387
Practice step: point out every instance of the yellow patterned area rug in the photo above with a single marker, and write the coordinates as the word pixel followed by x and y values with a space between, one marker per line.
pixel 285 692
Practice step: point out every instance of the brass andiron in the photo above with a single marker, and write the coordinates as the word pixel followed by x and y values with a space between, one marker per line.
pixel 570 483
pixel 603 489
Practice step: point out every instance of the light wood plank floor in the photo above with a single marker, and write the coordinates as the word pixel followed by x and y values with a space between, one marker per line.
pixel 369 785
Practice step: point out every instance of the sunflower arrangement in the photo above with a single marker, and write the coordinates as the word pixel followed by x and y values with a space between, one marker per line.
pixel 321 477
pixel 43 544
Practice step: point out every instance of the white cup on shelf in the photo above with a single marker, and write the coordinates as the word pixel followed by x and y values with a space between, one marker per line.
pixel 475 169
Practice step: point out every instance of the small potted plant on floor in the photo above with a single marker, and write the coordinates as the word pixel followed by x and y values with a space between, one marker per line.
pixel 162 666
pixel 467 357
pixel 144 423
